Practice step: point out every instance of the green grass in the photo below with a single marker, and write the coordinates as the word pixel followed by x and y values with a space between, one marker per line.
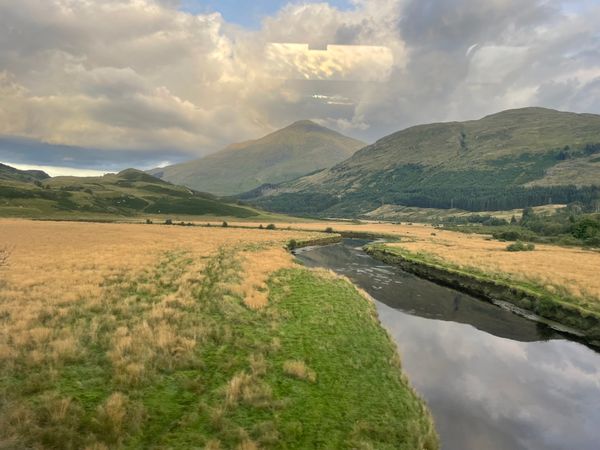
pixel 336 332
pixel 232 390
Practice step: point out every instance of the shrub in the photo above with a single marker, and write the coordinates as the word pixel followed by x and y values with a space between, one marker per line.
pixel 292 244
pixel 148 222
pixel 260 227
pixel 224 224
pixel 586 228
pixel 520 246
pixel 271 226
pixel 328 230
pixel 511 235
pixel 169 222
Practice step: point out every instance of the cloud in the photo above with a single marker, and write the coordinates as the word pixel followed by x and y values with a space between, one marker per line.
pixel 143 75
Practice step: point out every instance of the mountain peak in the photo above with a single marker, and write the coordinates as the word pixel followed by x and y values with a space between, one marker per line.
pixel 306 125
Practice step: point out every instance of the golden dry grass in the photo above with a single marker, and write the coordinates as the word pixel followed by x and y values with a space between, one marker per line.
pixel 299 369
pixel 567 269
pixel 57 267
pixel 256 267
pixel 131 290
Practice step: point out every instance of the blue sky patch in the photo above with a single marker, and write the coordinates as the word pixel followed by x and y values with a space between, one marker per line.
pixel 247 14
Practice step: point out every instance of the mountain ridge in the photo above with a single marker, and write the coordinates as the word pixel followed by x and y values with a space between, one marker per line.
pixel 511 159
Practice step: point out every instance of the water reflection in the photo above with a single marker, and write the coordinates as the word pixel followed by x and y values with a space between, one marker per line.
pixel 493 380
pixel 406 292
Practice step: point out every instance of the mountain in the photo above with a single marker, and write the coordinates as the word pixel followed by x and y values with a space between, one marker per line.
pixel 128 193
pixel 513 159
pixel 289 153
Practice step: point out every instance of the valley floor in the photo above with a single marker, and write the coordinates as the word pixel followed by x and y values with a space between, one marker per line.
pixel 562 275
pixel 150 336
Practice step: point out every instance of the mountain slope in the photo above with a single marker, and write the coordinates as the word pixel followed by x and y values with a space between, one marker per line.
pixel 128 193
pixel 513 159
pixel 289 153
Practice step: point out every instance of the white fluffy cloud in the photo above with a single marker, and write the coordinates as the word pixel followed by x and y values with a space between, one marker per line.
pixel 141 74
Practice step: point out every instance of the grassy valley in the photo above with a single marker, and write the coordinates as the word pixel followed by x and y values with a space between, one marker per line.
pixel 289 153
pixel 513 159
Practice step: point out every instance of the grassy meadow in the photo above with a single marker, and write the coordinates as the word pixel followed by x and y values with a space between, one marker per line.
pixel 150 336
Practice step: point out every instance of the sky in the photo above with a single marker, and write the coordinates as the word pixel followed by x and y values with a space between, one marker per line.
pixel 106 84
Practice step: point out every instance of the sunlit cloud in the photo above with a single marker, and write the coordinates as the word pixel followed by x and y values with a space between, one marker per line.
pixel 333 63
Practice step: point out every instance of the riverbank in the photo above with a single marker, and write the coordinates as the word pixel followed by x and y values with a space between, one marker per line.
pixel 137 336
pixel 529 296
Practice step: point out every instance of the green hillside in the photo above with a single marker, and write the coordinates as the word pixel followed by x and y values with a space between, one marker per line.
pixel 289 153
pixel 513 159
pixel 128 193
pixel 8 173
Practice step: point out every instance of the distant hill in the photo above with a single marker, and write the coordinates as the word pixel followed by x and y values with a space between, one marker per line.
pixel 128 193
pixel 289 153
pixel 516 158
pixel 8 173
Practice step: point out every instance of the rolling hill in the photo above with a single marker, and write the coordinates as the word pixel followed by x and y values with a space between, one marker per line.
pixel 289 153
pixel 513 159
pixel 8 173
pixel 128 193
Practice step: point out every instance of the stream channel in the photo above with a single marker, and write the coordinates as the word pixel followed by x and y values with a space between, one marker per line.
pixel 492 379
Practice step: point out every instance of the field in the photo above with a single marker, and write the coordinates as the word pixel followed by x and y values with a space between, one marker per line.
pixel 398 213
pixel 556 268
pixel 151 336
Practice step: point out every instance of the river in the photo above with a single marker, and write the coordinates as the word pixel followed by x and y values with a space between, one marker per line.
pixel 493 380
